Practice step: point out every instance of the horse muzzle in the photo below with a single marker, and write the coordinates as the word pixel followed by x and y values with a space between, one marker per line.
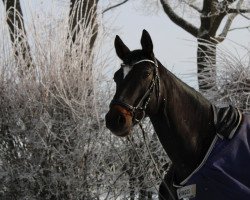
pixel 119 121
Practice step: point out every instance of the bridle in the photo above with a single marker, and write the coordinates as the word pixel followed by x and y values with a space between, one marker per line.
pixel 141 107
pixel 138 111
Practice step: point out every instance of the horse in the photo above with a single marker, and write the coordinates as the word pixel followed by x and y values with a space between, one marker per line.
pixel 208 146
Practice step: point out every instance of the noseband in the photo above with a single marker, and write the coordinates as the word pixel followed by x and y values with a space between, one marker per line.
pixel 143 103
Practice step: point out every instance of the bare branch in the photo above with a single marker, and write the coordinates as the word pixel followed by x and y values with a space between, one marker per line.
pixel 232 10
pixel 239 28
pixel 193 6
pixel 190 28
pixel 17 31
pixel 244 16
pixel 225 30
pixel 239 11
pixel 114 6
pixel 207 6
pixel 83 12
pixel 228 24
pixel 228 2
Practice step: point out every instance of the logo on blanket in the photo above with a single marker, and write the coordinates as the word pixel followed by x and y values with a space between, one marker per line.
pixel 187 192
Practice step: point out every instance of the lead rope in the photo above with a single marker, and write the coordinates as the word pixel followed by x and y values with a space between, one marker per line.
pixel 155 165
pixel 140 160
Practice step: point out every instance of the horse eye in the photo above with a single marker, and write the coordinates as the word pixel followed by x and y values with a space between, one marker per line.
pixel 146 74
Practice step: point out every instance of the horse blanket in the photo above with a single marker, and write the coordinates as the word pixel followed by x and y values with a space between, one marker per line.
pixel 224 173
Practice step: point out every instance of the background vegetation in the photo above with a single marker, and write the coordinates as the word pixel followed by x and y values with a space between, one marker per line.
pixel 54 95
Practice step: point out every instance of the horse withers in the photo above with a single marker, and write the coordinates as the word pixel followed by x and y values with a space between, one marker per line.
pixel 208 146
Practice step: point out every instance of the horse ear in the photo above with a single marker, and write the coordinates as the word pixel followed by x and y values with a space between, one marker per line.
pixel 121 49
pixel 146 43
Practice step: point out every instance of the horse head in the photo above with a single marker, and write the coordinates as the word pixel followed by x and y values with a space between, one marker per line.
pixel 136 81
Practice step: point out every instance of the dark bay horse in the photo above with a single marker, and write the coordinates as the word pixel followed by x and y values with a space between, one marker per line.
pixel 193 132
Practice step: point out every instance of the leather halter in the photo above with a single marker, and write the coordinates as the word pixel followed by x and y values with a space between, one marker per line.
pixel 143 103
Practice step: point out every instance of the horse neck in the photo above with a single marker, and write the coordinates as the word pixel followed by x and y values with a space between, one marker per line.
pixel 183 123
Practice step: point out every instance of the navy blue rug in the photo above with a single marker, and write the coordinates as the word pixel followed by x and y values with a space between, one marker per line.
pixel 224 173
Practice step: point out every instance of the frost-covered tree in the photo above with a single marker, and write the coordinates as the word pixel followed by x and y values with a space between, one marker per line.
pixel 209 21
pixel 17 31
pixel 53 140
pixel 51 133
pixel 210 15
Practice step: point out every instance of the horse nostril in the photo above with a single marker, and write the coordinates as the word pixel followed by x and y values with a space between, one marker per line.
pixel 121 120
pixel 115 121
